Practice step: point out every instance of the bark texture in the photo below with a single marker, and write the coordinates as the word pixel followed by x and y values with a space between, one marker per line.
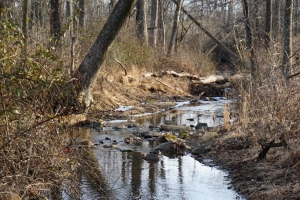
pixel 88 69
pixel 141 20
pixel 175 28
pixel 287 36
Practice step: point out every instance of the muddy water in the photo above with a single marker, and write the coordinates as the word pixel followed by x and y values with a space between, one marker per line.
pixel 173 177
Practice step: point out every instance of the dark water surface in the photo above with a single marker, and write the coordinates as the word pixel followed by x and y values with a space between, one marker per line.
pixel 173 177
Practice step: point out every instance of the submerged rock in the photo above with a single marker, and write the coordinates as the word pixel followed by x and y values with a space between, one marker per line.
pixel 176 128
pixel 152 157
pixel 202 149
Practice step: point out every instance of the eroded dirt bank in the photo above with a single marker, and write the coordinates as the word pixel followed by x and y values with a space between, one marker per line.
pixel 276 177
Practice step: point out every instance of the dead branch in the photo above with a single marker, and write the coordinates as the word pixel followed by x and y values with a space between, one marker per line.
pixel 125 70
pixel 267 145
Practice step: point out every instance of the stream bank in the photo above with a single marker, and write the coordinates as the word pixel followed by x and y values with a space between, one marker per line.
pixel 231 148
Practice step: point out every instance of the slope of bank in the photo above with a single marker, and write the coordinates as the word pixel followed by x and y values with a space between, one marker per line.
pixel 276 177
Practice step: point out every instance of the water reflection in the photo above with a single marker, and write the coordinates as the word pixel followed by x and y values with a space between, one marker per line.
pixel 173 177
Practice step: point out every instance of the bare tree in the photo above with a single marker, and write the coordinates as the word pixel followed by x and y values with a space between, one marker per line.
pixel 153 23
pixel 287 38
pixel 88 69
pixel 141 20
pixel 249 36
pixel 81 5
pixel 161 25
pixel 55 26
pixel 268 23
pixel 276 18
pixel 175 28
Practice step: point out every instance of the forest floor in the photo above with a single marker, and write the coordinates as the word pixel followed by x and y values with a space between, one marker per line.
pixel 276 177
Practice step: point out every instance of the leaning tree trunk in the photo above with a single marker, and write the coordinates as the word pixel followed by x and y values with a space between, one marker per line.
pixel 175 28
pixel 287 37
pixel 90 66
pixel 234 56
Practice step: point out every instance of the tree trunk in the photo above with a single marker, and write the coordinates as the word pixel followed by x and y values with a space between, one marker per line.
pixel 141 21
pixel 54 20
pixel 2 8
pixel 68 9
pixel 25 24
pixel 153 23
pixel 296 17
pixel 161 25
pixel 175 28
pixel 256 35
pixel 111 5
pixel 268 23
pixel 230 12
pixel 222 46
pixel 287 37
pixel 276 18
pixel 81 13
pixel 88 69
pixel 249 37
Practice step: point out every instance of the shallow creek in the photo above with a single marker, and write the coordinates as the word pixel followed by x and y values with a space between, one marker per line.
pixel 173 177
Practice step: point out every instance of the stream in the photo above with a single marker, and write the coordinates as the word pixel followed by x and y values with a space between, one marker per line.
pixel 129 176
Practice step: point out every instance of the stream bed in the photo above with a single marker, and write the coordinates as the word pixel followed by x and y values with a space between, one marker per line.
pixel 129 176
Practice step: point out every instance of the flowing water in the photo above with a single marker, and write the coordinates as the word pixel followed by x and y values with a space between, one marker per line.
pixel 172 177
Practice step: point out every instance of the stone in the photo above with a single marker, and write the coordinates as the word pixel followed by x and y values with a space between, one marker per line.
pixel 152 157
pixel 202 149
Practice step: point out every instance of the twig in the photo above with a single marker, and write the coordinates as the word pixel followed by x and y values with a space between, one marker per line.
pixel 125 70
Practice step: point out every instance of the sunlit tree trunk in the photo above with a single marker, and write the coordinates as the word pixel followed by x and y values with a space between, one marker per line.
pixel 141 20
pixel 153 23
pixel 175 28
pixel 287 38
pixel 268 27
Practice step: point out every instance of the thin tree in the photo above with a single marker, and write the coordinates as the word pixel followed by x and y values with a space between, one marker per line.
pixel 175 28
pixel 81 5
pixel 249 36
pixel 268 27
pixel 161 25
pixel 25 23
pixel 287 38
pixel 55 26
pixel 141 20
pixel 153 23
pixel 90 66
pixel 276 18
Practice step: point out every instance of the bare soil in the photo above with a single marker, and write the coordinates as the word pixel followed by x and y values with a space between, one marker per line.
pixel 276 177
